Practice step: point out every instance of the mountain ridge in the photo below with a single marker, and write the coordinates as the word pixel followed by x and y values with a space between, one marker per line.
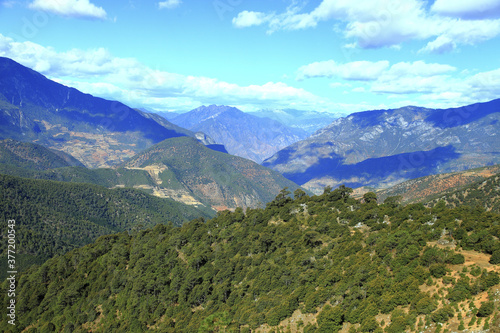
pixel 411 135
pixel 428 187
pixel 243 134
pixel 98 132
pixel 223 180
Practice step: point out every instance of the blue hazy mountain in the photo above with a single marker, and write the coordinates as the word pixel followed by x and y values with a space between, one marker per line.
pixel 381 148
pixel 242 134
pixel 96 131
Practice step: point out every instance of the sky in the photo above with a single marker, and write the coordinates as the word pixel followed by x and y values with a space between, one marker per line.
pixel 337 56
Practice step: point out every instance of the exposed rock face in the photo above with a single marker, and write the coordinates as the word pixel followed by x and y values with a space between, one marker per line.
pixel 242 134
pixel 384 147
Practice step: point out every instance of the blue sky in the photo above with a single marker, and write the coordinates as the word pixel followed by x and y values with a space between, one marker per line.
pixel 336 56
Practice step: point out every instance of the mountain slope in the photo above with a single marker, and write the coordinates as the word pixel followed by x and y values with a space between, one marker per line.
pixel 314 264
pixel 242 134
pixel 222 180
pixel 55 217
pixel 193 174
pixel 425 188
pixel 484 193
pixel 96 131
pixel 32 156
pixel 384 147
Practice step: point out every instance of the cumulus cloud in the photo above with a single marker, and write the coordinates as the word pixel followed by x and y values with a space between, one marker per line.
pixel 436 85
pixel 466 9
pixel 387 23
pixel 413 78
pixel 419 68
pixel 98 72
pixel 247 19
pixel 169 4
pixel 70 8
pixel 442 44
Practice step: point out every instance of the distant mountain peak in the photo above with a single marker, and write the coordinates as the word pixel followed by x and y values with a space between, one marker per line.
pixel 381 148
pixel 241 133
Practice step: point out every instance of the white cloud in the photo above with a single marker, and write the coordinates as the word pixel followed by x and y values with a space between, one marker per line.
pixel 356 70
pixel 98 72
pixel 467 9
pixel 442 44
pixel 407 85
pixel 419 68
pixel 433 83
pixel 70 8
pixel 387 23
pixel 247 19
pixel 413 78
pixel 169 4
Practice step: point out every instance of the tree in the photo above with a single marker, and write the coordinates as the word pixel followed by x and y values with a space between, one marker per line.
pixel 370 197
pixel 330 319
pixel 299 194
pixel 495 258
pixel 282 198
pixel 216 322
pixel 393 201
pixel 486 309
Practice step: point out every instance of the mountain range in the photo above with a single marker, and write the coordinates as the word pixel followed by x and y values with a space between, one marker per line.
pixel 126 222
pixel 98 132
pixel 182 169
pixel 242 134
pixel 384 147
pixel 221 180
pixel 431 187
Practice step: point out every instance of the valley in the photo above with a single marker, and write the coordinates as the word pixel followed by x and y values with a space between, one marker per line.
pixel 379 221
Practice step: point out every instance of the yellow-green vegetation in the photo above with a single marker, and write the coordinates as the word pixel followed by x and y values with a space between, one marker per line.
pixel 484 193
pixel 344 264
pixel 435 186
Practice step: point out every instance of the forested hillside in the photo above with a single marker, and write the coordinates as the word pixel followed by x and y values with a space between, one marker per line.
pixel 485 194
pixel 314 264
pixel 55 217
pixel 32 156
pixel 431 187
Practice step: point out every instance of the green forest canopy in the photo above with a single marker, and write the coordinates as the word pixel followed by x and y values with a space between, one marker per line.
pixel 346 260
